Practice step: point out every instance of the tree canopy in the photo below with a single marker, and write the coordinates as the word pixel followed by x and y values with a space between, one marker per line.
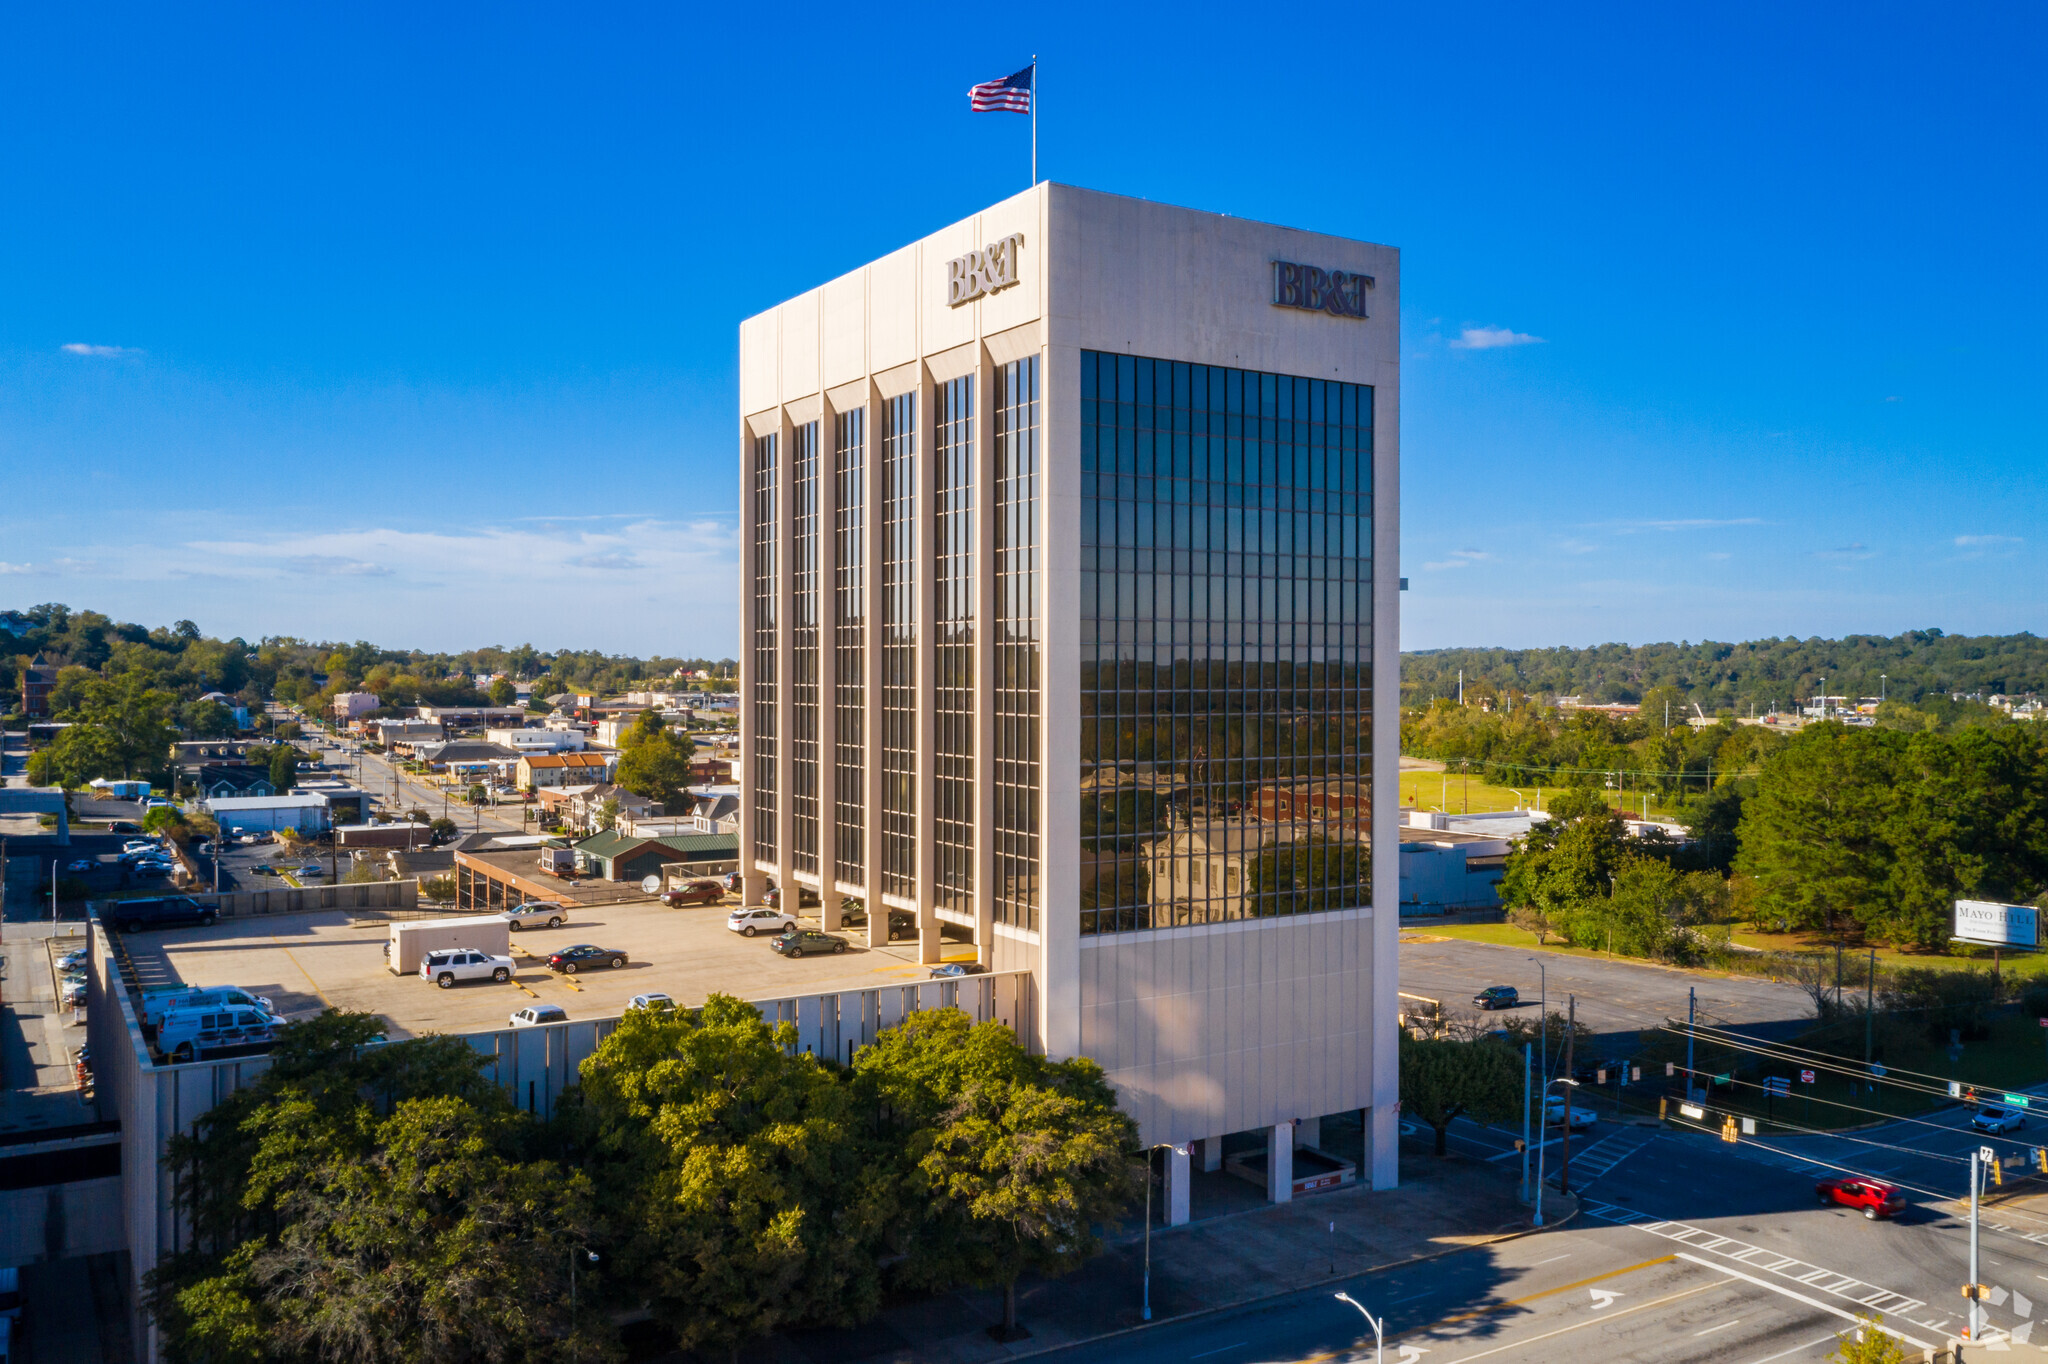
pixel 654 761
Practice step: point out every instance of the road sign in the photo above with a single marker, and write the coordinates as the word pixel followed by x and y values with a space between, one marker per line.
pixel 1986 1154
pixel 2015 1101
pixel 1805 1077
pixel 1955 1089
pixel 1693 1111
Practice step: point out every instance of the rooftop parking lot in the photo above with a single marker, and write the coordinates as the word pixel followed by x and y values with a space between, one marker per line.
pixel 304 962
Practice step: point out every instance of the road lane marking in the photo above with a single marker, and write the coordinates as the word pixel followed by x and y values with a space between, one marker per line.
pixel 1412 1297
pixel 1592 1321
pixel 1552 1260
pixel 1722 1327
pixel 1801 1297
pixel 1218 1350
pixel 1491 1308
pixel 1767 1359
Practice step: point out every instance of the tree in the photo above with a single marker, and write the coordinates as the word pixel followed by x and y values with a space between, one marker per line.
pixel 206 720
pixel 1868 1344
pixel 367 1202
pixel 1567 860
pixel 654 761
pixel 503 693
pixel 1442 1080
pixel 1011 1160
pixel 746 1201
pixel 284 768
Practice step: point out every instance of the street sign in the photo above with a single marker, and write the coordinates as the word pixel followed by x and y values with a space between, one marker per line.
pixel 1955 1089
pixel 1693 1111
pixel 1996 925
pixel 2015 1101
pixel 1805 1077
pixel 1986 1154
pixel 1779 1085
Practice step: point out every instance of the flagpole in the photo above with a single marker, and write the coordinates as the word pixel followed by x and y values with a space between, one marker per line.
pixel 1034 120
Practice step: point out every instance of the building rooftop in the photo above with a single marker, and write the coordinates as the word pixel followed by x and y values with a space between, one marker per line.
pixel 307 962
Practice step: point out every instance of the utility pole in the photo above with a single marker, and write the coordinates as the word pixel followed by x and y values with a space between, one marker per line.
pixel 1869 1009
pixel 1976 1178
pixel 1692 1010
pixel 1527 1061
pixel 1571 1026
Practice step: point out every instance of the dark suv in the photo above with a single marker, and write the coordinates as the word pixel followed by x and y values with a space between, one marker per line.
pixel 854 914
pixel 169 911
pixel 1498 997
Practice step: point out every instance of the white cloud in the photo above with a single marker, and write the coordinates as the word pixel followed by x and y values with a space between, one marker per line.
pixel 1577 546
pixel 1716 555
pixel 1855 551
pixel 1461 558
pixel 616 563
pixel 1980 541
pixel 335 566
pixel 1686 523
pixel 6 567
pixel 1492 338
pixel 98 352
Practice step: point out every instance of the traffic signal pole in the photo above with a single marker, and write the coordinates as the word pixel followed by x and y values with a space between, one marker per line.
pixel 1975 1179
pixel 1571 1027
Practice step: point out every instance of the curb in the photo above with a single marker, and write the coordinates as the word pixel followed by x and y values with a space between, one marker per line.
pixel 1493 1240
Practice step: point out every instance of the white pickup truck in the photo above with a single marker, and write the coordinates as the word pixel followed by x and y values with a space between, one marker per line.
pixel 450 964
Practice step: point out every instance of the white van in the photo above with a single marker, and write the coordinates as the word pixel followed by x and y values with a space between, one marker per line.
pixel 188 1034
pixel 157 1003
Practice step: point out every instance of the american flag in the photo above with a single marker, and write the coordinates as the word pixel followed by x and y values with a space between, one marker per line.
pixel 1011 94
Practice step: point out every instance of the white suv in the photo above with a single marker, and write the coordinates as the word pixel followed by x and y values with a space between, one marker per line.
pixel 451 964
pixel 533 914
pixel 759 919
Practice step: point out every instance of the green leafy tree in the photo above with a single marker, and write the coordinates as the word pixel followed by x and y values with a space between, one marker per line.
pixel 1868 1345
pixel 1566 861
pixel 206 720
pixel 1443 1079
pixel 1014 1160
pixel 654 761
pixel 734 1167
pixel 284 768
pixel 503 693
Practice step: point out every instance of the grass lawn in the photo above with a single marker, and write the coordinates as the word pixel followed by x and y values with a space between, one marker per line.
pixel 1507 935
pixel 1459 794
pixel 1853 957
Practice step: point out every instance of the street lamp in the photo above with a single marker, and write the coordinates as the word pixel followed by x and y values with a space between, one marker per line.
pixel 1378 1340
pixel 1541 1151
pixel 592 1255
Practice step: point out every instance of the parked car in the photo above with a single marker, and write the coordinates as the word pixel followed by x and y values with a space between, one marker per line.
pixel 695 893
pixel 168 911
pixel 534 914
pixel 1554 1111
pixel 188 1034
pixel 1498 997
pixel 140 845
pixel 654 1000
pixel 1998 1118
pixel 799 942
pixel 77 956
pixel 312 869
pixel 264 869
pixel 734 882
pixel 1853 1191
pixel 82 864
pixel 748 922
pixel 451 964
pixel 953 970
pixel 854 914
pixel 570 960
pixel 535 1014
pixel 124 826
pixel 805 897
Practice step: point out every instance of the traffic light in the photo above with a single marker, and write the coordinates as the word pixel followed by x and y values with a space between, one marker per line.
pixel 2041 1159
pixel 1728 1132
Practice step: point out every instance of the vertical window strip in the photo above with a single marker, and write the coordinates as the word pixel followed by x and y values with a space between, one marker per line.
pixel 761 761
pixel 899 646
pixel 953 451
pixel 1226 638
pixel 1016 645
pixel 849 624
pixel 803 795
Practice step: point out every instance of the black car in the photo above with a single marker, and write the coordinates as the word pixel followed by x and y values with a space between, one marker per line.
pixel 570 960
pixel 854 914
pixel 167 911
pixel 124 826
pixel 1497 997
pixel 953 970
pixel 806 898
pixel 799 941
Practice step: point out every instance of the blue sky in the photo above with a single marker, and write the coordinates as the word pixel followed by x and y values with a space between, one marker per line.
pixel 418 323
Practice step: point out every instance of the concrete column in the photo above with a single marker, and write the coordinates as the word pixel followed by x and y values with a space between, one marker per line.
pixel 828 666
pixel 1212 1154
pixel 1308 1132
pixel 1178 1173
pixel 871 662
pixel 1280 1163
pixel 785 664
pixel 922 577
pixel 1383 1145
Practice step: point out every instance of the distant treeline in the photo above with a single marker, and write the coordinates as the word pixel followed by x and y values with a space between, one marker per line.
pixel 1734 677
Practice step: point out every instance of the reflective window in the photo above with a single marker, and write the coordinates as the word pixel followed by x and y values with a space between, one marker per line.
pixel 899 646
pixel 803 661
pixel 1014 796
pixel 849 621
pixel 761 760
pixel 1226 638
pixel 953 645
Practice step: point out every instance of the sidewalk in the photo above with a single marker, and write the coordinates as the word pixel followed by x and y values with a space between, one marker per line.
pixel 1442 1207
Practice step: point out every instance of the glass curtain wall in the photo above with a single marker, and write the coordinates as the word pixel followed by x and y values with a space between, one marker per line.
pixel 803 795
pixel 1014 819
pixel 953 648
pixel 1226 636
pixel 849 622
pixel 899 646
pixel 761 761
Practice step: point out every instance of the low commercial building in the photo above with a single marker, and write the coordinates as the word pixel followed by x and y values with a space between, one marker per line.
pixel 305 811
pixel 538 740
pixel 538 771
pixel 613 856
pixel 349 704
